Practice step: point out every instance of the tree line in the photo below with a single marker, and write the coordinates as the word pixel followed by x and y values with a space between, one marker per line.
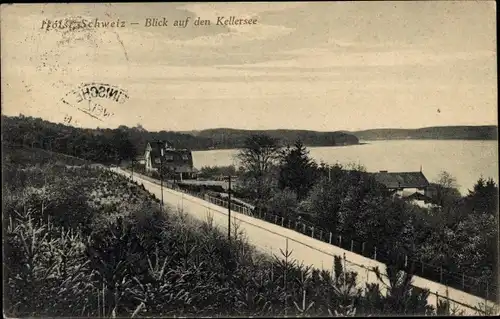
pixel 123 143
pixel 99 145
pixel 234 138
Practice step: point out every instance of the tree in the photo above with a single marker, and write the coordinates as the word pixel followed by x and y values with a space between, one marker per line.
pixel 402 297
pixel 257 157
pixel 283 203
pixel 446 192
pixel 323 204
pixel 125 150
pixel 483 198
pixel 298 171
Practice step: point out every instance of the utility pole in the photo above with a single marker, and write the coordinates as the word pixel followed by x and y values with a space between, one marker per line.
pixel 229 209
pixel 161 172
pixel 132 174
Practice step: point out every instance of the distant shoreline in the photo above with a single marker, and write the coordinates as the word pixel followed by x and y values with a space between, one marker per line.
pixel 308 146
pixel 367 142
pixel 476 133
pixel 433 139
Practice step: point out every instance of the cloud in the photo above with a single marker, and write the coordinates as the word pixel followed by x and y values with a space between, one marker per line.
pixel 322 58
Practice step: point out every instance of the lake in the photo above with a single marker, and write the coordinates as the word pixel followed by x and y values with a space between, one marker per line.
pixel 465 160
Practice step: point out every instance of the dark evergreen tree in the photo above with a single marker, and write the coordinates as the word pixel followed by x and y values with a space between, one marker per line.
pixel 483 198
pixel 298 171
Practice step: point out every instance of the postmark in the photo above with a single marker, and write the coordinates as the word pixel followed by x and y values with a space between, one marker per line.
pixel 96 100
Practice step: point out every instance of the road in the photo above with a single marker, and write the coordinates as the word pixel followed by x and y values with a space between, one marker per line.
pixel 270 238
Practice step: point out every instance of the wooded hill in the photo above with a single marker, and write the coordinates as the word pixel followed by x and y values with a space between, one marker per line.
pixel 485 132
pixel 234 138
pixel 35 132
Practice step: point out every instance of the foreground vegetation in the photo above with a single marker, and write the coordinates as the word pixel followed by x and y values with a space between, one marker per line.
pixel 82 241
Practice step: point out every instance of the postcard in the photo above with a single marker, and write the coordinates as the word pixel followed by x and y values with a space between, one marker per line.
pixel 250 159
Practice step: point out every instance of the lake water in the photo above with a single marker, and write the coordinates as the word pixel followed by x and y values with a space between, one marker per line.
pixel 465 160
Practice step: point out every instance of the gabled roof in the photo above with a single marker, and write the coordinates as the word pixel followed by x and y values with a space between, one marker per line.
pixel 167 145
pixel 154 144
pixel 418 196
pixel 402 179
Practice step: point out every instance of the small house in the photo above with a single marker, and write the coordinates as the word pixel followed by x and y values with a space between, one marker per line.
pixel 177 162
pixel 403 183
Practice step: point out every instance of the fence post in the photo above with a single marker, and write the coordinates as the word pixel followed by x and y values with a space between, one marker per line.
pixel 330 241
pixel 340 241
pixel 463 280
pixel 312 231
pixel 375 253
pixel 282 221
pixel 406 260
pixel 352 244
pixel 289 221
pixel 487 291
pixel 321 234
pixel 303 227
pixel 275 219
pixel 296 223
pixel 363 248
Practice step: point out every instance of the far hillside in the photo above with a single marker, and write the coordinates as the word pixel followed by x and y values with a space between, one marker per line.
pixel 112 145
pixel 234 138
pixel 485 132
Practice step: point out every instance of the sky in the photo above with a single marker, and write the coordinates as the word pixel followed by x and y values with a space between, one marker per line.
pixel 322 66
